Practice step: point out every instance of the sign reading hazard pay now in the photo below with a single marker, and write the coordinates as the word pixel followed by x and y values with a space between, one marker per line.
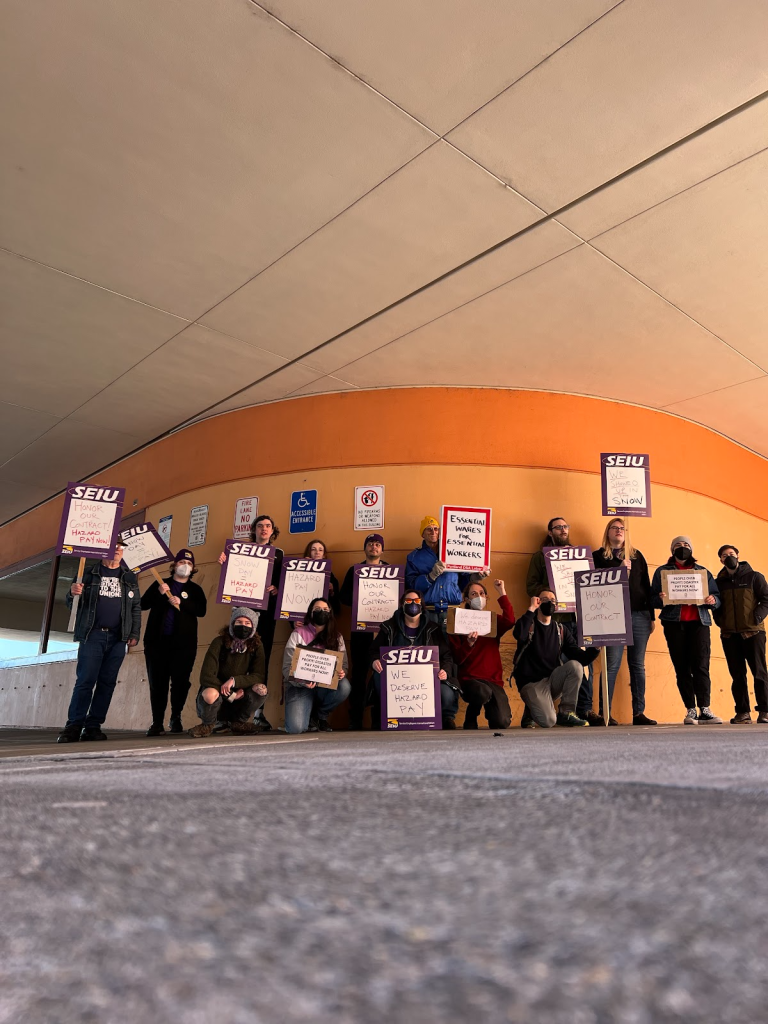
pixel 369 507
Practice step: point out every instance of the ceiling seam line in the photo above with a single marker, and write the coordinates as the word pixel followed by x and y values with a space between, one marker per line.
pixel 714 391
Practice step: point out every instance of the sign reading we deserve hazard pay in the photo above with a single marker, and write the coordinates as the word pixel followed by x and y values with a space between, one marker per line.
pixel 369 507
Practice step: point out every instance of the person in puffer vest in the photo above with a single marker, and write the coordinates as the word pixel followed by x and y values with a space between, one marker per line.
pixel 741 618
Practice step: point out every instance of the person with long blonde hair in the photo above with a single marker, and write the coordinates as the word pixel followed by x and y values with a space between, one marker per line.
pixel 616 550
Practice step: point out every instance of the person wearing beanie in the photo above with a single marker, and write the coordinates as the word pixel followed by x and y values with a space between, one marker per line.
pixel 170 639
pixel 307 705
pixel 360 643
pixel 741 618
pixel 424 572
pixel 232 679
pixel 687 632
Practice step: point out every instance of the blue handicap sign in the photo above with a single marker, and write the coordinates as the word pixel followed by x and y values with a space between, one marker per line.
pixel 303 512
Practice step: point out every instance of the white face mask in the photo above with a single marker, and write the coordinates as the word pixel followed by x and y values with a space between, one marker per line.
pixel 478 603
pixel 183 571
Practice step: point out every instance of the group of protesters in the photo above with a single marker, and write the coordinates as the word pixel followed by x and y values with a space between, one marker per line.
pixel 553 674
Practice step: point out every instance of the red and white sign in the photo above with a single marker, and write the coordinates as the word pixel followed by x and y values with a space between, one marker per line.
pixel 465 538
pixel 369 507
pixel 246 510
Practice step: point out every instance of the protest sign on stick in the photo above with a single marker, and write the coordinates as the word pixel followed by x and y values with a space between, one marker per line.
pixel 410 688
pixel 245 574
pixel 144 549
pixel 376 593
pixel 301 581
pixel 603 616
pixel 465 538
pixel 691 587
pixel 562 564
pixel 626 484
pixel 320 667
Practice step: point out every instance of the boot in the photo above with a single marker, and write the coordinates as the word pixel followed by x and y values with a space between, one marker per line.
pixel 201 730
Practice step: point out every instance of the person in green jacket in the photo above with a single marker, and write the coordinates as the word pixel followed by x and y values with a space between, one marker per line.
pixel 232 684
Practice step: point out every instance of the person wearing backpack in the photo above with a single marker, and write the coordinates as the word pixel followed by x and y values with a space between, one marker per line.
pixel 232 686
pixel 541 675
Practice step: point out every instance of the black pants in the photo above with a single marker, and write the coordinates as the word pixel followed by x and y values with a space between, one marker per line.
pixel 481 695
pixel 266 630
pixel 740 652
pixel 168 663
pixel 229 711
pixel 359 650
pixel 689 648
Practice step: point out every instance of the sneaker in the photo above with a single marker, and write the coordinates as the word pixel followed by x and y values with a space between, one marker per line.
pixel 643 720
pixel 570 718
pixel 594 719
pixel 742 718
pixel 175 725
pixel 93 734
pixel 762 718
pixel 707 717
pixel 322 725
pixel 69 734
pixel 449 723
pixel 691 718
pixel 156 729
pixel 261 723
pixel 201 730
pixel 244 728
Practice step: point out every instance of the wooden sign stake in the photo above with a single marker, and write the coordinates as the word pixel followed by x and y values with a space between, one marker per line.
pixel 159 579
pixel 76 598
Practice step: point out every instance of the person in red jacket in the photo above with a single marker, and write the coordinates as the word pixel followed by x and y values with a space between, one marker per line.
pixel 479 661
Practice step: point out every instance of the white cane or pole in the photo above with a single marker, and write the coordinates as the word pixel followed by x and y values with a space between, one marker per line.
pixel 76 598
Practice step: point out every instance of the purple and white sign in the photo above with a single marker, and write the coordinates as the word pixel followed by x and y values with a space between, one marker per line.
pixel 90 521
pixel 301 581
pixel 561 565
pixel 376 593
pixel 410 688
pixel 246 574
pixel 626 484
pixel 603 614
pixel 144 547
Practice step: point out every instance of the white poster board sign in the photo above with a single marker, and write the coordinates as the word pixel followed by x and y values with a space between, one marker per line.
pixel 562 563
pixel 198 526
pixel 245 579
pixel 465 538
pixel 410 691
pixel 369 507
pixel 246 510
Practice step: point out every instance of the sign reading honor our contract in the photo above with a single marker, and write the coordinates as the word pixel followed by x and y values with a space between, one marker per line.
pixel 376 593
pixel 144 548
pixel 603 612
pixel 301 581
pixel 561 565
pixel 90 521
pixel 626 484
pixel 410 688
pixel 245 574
pixel 320 667
pixel 685 587
pixel 465 538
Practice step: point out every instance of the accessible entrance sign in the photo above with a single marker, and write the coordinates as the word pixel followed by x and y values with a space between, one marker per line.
pixel 303 512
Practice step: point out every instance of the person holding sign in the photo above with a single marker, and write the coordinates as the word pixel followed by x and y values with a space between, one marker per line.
pixel 233 677
pixel 686 625
pixel 616 550
pixel 360 642
pixel 108 619
pixel 307 704
pixel 424 572
pixel 410 627
pixel 317 551
pixel 479 662
pixel 170 639
pixel 549 664
pixel 741 618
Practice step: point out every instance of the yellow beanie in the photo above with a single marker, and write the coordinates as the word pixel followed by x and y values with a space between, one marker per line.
pixel 428 521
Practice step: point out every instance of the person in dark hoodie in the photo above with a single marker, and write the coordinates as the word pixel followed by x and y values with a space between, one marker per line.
pixel 360 642
pixel 741 618
pixel 616 550
pixel 686 630
pixel 410 627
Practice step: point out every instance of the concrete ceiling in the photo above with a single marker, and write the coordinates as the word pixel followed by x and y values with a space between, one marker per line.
pixel 200 195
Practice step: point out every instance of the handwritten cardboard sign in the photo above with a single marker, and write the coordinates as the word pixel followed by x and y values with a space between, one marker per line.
pixel 626 484
pixel 465 538
pixel 90 521
pixel 410 688
pixel 376 593
pixel 321 667
pixel 561 565
pixel 246 574
pixel 690 587
pixel 603 614
pixel 144 548
pixel 468 620
pixel 301 581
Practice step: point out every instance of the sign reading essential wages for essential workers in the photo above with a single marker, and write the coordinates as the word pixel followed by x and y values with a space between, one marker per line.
pixel 90 521
pixel 465 538
pixel 626 484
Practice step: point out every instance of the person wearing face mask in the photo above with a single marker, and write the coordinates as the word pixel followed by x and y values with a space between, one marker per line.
pixel 232 679
pixel 317 550
pixel 170 639
pixel 549 664
pixel 478 661
pixel 741 618
pixel 410 627
pixel 307 705
pixel 360 643
pixel 686 630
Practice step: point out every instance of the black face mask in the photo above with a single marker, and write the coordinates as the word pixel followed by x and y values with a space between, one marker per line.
pixel 732 562
pixel 242 632
pixel 320 617
pixel 547 607
pixel 682 554
pixel 412 609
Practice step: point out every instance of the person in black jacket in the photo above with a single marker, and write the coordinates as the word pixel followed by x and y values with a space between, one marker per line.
pixel 170 639
pixel 409 627
pixel 360 642
pixel 617 550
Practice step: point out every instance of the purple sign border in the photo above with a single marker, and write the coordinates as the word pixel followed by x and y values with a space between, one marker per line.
pixel 261 603
pixel 81 552
pixel 132 531
pixel 570 606
pixel 361 625
pixel 325 571
pixel 411 723
pixel 620 510
pixel 625 639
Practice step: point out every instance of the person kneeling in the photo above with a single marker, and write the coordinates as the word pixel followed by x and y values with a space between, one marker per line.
pixel 308 705
pixel 539 674
pixel 232 677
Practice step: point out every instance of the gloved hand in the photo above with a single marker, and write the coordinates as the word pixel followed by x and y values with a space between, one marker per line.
pixel 484 574
pixel 436 570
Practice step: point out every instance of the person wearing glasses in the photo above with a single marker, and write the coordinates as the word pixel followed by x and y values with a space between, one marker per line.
pixel 410 627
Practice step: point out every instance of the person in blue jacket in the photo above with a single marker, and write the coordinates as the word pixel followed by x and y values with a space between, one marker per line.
pixel 439 587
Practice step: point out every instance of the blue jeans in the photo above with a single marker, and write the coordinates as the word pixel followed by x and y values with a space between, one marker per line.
pixel 98 662
pixel 449 699
pixel 300 703
pixel 641 631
